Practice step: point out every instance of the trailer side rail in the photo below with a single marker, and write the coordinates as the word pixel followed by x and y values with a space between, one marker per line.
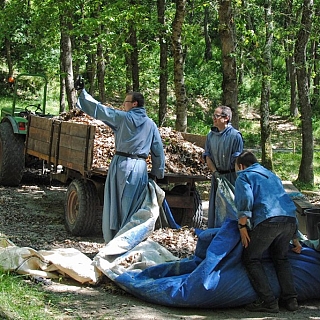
pixel 61 143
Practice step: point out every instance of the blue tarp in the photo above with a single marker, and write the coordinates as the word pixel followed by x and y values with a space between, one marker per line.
pixel 213 278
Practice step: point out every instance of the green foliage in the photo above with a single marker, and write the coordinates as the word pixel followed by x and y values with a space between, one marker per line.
pixel 22 301
pixel 286 165
pixel 250 130
pixel 316 129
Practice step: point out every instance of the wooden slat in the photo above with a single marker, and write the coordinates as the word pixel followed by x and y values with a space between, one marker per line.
pixel 59 142
pixel 41 122
pixel 39 134
pixel 76 129
pixel 41 147
pixel 198 140
pixel 72 142
pixel 301 203
pixel 71 155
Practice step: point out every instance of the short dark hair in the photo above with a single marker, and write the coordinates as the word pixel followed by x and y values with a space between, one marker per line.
pixel 137 97
pixel 226 111
pixel 246 158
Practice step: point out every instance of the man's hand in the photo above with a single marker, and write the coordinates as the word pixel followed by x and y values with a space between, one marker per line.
pixel 79 83
pixel 297 246
pixel 245 239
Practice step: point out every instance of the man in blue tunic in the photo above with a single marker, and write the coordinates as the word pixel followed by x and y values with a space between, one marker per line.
pixel 261 199
pixel 136 136
pixel 223 144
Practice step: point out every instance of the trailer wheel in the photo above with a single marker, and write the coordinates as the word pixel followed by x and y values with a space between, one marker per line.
pixel 81 207
pixel 182 216
pixel 12 159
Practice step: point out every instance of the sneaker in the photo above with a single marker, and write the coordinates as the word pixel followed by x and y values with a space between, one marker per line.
pixel 263 306
pixel 292 304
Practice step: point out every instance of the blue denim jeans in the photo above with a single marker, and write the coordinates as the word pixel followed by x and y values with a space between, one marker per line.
pixel 274 236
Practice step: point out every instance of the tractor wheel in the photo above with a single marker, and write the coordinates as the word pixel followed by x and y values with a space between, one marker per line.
pixel 12 159
pixel 182 216
pixel 81 207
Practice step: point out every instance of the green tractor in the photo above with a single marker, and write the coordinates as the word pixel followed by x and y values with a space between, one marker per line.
pixel 29 97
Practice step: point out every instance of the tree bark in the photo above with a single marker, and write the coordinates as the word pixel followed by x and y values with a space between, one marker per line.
pixel 8 56
pixel 316 82
pixel 290 63
pixel 306 174
pixel 207 38
pixel 178 58
pixel 66 57
pixel 229 67
pixel 91 72
pixel 163 79
pixel 62 86
pixel 101 68
pixel 132 58
pixel 265 90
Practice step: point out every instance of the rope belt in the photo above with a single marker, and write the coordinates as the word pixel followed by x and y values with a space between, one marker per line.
pixel 226 171
pixel 132 156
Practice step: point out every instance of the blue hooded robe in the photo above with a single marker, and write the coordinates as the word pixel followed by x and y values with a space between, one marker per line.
pixel 222 147
pixel 136 134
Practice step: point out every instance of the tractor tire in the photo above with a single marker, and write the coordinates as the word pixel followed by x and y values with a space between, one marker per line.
pixel 12 158
pixel 182 216
pixel 81 207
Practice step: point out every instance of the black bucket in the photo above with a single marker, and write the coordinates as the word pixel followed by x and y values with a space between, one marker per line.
pixel 313 219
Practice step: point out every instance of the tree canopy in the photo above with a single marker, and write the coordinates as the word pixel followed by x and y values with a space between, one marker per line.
pixel 185 56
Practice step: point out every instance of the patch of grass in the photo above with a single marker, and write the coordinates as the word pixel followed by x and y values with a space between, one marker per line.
pixel 22 301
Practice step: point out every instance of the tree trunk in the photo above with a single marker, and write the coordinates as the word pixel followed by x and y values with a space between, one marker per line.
pixel 290 63
pixel 134 53
pixel 293 85
pixel 91 72
pixel 8 56
pixel 66 57
pixel 229 68
pixel 265 90
pixel 306 174
pixel 208 49
pixel 101 68
pixel 163 79
pixel 316 82
pixel 178 58
pixel 62 86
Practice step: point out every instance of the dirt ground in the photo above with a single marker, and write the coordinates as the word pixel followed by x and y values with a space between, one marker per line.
pixel 32 215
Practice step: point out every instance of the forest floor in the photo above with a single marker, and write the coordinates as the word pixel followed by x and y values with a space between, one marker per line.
pixel 32 215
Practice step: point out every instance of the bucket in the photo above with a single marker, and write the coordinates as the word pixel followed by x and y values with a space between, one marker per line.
pixel 313 219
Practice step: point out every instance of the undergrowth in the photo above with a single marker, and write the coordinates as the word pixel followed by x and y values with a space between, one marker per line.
pixel 19 300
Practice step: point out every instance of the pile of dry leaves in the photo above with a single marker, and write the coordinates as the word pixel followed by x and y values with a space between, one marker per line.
pixel 182 156
pixel 180 242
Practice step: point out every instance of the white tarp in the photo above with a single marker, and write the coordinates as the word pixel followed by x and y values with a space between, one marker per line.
pixel 128 245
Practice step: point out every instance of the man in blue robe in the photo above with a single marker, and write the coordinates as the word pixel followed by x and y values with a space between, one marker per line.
pixel 136 136
pixel 223 144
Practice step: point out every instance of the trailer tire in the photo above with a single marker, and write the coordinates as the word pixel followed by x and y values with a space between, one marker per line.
pixel 12 158
pixel 81 206
pixel 181 215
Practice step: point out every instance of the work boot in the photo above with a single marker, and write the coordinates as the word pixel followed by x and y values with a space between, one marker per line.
pixel 263 306
pixel 291 304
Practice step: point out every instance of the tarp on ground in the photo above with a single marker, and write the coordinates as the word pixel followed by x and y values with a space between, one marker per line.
pixel 213 278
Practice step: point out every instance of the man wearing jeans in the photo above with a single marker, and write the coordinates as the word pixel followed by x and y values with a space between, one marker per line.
pixel 267 221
